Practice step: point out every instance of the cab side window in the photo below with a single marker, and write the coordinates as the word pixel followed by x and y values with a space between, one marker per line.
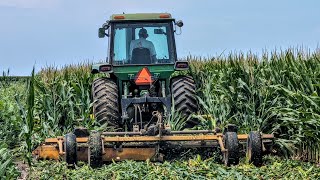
pixel 120 46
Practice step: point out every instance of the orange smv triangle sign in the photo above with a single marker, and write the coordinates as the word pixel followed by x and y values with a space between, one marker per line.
pixel 143 77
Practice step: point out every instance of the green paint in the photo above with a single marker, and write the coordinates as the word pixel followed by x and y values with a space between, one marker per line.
pixel 128 72
pixel 161 71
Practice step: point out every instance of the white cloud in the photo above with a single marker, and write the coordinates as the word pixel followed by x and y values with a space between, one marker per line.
pixel 29 3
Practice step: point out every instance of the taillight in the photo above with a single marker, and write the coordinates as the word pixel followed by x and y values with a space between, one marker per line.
pixel 105 68
pixel 182 65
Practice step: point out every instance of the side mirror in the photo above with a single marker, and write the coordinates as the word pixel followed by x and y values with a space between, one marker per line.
pixel 102 32
pixel 179 23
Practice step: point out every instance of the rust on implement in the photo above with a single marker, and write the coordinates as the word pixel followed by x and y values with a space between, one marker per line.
pixel 47 152
pixel 111 154
pixel 55 140
pixel 139 154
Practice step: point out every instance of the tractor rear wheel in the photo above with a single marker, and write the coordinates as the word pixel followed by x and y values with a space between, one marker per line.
pixel 70 149
pixel 105 102
pixel 183 90
pixel 95 149
pixel 231 144
pixel 254 148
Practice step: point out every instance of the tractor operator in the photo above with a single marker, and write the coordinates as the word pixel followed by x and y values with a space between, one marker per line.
pixel 142 43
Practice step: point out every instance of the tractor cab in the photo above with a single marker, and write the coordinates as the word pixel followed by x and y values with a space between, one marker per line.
pixel 142 43
pixel 142 39
pixel 139 40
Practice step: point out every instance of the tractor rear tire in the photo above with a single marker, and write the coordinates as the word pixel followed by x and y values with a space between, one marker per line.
pixel 231 144
pixel 70 149
pixel 183 90
pixel 254 148
pixel 105 102
pixel 95 149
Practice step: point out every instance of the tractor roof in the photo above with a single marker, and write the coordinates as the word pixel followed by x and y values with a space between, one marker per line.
pixel 141 16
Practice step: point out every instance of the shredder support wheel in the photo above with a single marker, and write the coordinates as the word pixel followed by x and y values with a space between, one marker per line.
pixel 95 149
pixel 70 148
pixel 231 144
pixel 254 148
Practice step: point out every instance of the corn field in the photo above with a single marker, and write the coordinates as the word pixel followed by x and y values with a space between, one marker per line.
pixel 276 93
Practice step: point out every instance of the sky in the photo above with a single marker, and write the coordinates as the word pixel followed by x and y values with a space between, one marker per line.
pixel 42 33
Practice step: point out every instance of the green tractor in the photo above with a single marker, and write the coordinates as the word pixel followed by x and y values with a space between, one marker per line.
pixel 134 100
pixel 142 59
